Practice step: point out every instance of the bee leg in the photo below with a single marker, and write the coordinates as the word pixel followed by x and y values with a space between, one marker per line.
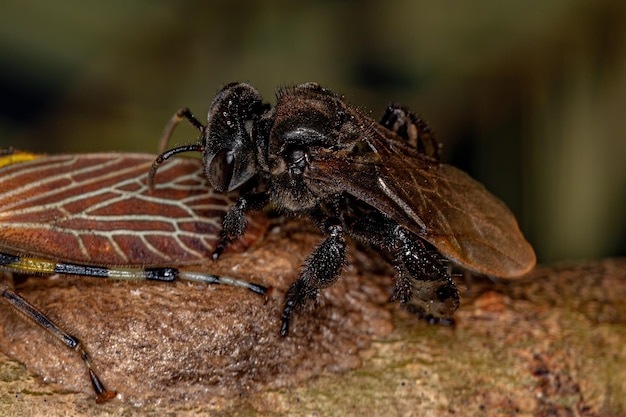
pixel 411 128
pixel 321 269
pixel 235 221
pixel 32 313
pixel 423 284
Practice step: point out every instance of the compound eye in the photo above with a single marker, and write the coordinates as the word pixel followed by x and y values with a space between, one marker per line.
pixel 221 169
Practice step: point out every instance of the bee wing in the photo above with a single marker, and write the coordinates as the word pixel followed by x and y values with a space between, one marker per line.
pixel 441 204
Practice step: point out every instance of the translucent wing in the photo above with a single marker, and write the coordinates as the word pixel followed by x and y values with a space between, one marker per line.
pixel 439 203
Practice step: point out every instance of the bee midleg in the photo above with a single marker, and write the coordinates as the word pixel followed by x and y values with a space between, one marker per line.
pixel 31 312
pixel 235 221
pixel 423 283
pixel 321 269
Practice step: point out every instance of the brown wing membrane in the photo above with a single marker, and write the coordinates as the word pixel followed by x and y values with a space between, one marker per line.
pixel 438 202
pixel 97 209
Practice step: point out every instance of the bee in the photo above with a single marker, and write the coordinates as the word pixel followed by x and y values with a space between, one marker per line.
pixel 382 183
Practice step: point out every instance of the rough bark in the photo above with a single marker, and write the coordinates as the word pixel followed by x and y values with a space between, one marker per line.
pixel 552 343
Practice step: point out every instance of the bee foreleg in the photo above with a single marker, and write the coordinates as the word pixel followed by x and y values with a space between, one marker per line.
pixel 235 221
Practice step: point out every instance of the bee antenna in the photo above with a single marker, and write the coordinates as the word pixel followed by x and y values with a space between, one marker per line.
pixel 196 147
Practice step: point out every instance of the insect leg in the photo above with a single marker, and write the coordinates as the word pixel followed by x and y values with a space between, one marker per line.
pixel 32 313
pixel 423 284
pixel 413 129
pixel 37 266
pixel 321 270
pixel 214 279
pixel 235 221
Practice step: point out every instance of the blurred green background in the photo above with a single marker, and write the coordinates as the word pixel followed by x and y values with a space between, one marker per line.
pixel 529 97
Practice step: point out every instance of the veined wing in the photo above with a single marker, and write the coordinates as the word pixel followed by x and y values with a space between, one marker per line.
pixel 97 209
pixel 441 204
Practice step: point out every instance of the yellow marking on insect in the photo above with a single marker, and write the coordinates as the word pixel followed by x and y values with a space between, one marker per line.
pixel 16 157
pixel 34 265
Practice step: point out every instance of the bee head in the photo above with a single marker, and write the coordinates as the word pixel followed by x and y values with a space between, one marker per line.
pixel 229 149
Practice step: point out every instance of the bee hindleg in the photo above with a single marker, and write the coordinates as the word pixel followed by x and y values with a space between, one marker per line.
pixel 321 270
pixel 423 284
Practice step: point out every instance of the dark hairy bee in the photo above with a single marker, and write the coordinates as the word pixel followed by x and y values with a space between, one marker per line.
pixel 381 183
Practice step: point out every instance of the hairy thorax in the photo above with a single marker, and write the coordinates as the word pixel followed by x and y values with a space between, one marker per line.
pixel 294 193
